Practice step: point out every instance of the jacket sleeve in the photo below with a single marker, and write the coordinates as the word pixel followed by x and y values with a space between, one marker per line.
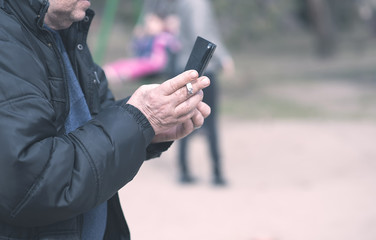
pixel 107 99
pixel 46 177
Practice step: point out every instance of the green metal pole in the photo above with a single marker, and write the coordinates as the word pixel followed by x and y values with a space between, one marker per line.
pixel 105 30
pixel 137 5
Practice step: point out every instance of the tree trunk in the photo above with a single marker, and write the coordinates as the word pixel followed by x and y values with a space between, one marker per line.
pixel 323 25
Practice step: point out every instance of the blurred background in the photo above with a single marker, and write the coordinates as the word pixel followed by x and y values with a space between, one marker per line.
pixel 297 126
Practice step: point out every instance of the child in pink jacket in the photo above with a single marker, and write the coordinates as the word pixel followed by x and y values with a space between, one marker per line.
pixel 151 47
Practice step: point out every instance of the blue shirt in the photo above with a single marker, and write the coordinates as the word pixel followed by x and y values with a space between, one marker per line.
pixel 94 224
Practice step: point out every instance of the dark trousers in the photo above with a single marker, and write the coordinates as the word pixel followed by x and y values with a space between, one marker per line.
pixel 210 130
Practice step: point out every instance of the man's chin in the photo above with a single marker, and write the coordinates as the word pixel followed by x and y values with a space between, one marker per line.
pixel 82 6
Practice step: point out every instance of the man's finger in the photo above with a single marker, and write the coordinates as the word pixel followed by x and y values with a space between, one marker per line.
pixel 204 109
pixel 172 85
pixel 197 119
pixel 188 105
pixel 183 94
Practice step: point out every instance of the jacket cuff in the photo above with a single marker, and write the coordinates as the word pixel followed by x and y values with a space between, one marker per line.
pixel 141 120
pixel 155 150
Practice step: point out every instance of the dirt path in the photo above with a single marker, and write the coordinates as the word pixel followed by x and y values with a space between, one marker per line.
pixel 290 180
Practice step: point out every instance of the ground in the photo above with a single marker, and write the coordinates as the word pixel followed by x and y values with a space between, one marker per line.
pixel 288 180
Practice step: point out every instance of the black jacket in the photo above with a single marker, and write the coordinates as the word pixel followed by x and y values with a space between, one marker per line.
pixel 49 178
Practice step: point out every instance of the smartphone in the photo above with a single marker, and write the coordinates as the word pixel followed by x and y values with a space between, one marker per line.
pixel 200 56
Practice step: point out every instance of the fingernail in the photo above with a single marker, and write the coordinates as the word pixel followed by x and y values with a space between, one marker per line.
pixel 193 74
pixel 205 80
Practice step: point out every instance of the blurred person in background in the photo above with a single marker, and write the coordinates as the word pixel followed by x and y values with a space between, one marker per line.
pixel 153 44
pixel 66 146
pixel 198 19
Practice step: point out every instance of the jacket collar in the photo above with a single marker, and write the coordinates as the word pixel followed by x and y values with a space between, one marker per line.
pixel 31 12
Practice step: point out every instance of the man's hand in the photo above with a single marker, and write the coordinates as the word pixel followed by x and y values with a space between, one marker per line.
pixel 171 111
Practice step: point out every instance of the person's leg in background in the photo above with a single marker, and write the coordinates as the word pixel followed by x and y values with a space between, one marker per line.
pixel 185 175
pixel 211 127
pixel 211 131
